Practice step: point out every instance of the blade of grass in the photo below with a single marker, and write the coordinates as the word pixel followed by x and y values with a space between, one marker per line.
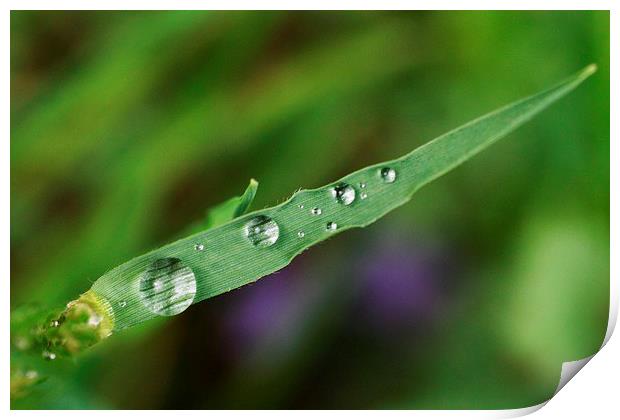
pixel 141 175
pixel 229 260
pixel 228 210
pixel 29 341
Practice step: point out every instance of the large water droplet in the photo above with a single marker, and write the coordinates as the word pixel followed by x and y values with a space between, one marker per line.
pixel 262 231
pixel 344 193
pixel 167 287
pixel 331 226
pixel 388 175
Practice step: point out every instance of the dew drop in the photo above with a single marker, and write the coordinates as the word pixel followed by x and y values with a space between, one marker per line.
pixel 363 196
pixel 301 206
pixel 316 211
pixel 122 303
pixel 199 247
pixel 388 175
pixel 167 287
pixel 343 193
pixel 262 231
pixel 48 355
pixel 55 323
pixel 301 234
pixel 331 226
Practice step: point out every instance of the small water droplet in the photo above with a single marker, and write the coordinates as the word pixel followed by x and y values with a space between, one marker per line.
pixel 363 196
pixel 262 231
pixel 167 287
pixel 331 226
pixel 344 193
pixel 199 247
pixel 122 303
pixel 362 185
pixel 388 175
pixel 301 206
pixel 55 323
pixel 301 234
pixel 316 211
pixel 48 355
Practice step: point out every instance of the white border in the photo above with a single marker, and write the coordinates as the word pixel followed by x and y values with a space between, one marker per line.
pixel 596 389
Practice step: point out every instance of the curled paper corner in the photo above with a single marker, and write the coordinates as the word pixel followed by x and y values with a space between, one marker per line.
pixel 570 369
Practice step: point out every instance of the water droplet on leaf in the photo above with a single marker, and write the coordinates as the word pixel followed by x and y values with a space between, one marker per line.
pixel 388 175
pixel 48 355
pixel 199 247
pixel 167 287
pixel 344 193
pixel 362 185
pixel 262 231
pixel 301 234
pixel 122 304
pixel 331 226
pixel 316 211
pixel 363 196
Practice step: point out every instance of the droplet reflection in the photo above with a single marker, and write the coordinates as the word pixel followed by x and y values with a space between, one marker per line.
pixel 262 231
pixel 167 287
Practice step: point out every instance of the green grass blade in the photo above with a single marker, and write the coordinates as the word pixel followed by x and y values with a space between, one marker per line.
pixel 227 210
pixel 139 177
pixel 41 338
pixel 234 207
pixel 229 260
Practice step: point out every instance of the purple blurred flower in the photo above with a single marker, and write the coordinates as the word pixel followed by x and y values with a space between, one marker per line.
pixel 267 313
pixel 401 284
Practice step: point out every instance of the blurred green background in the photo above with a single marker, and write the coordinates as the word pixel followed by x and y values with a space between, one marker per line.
pixel 127 126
